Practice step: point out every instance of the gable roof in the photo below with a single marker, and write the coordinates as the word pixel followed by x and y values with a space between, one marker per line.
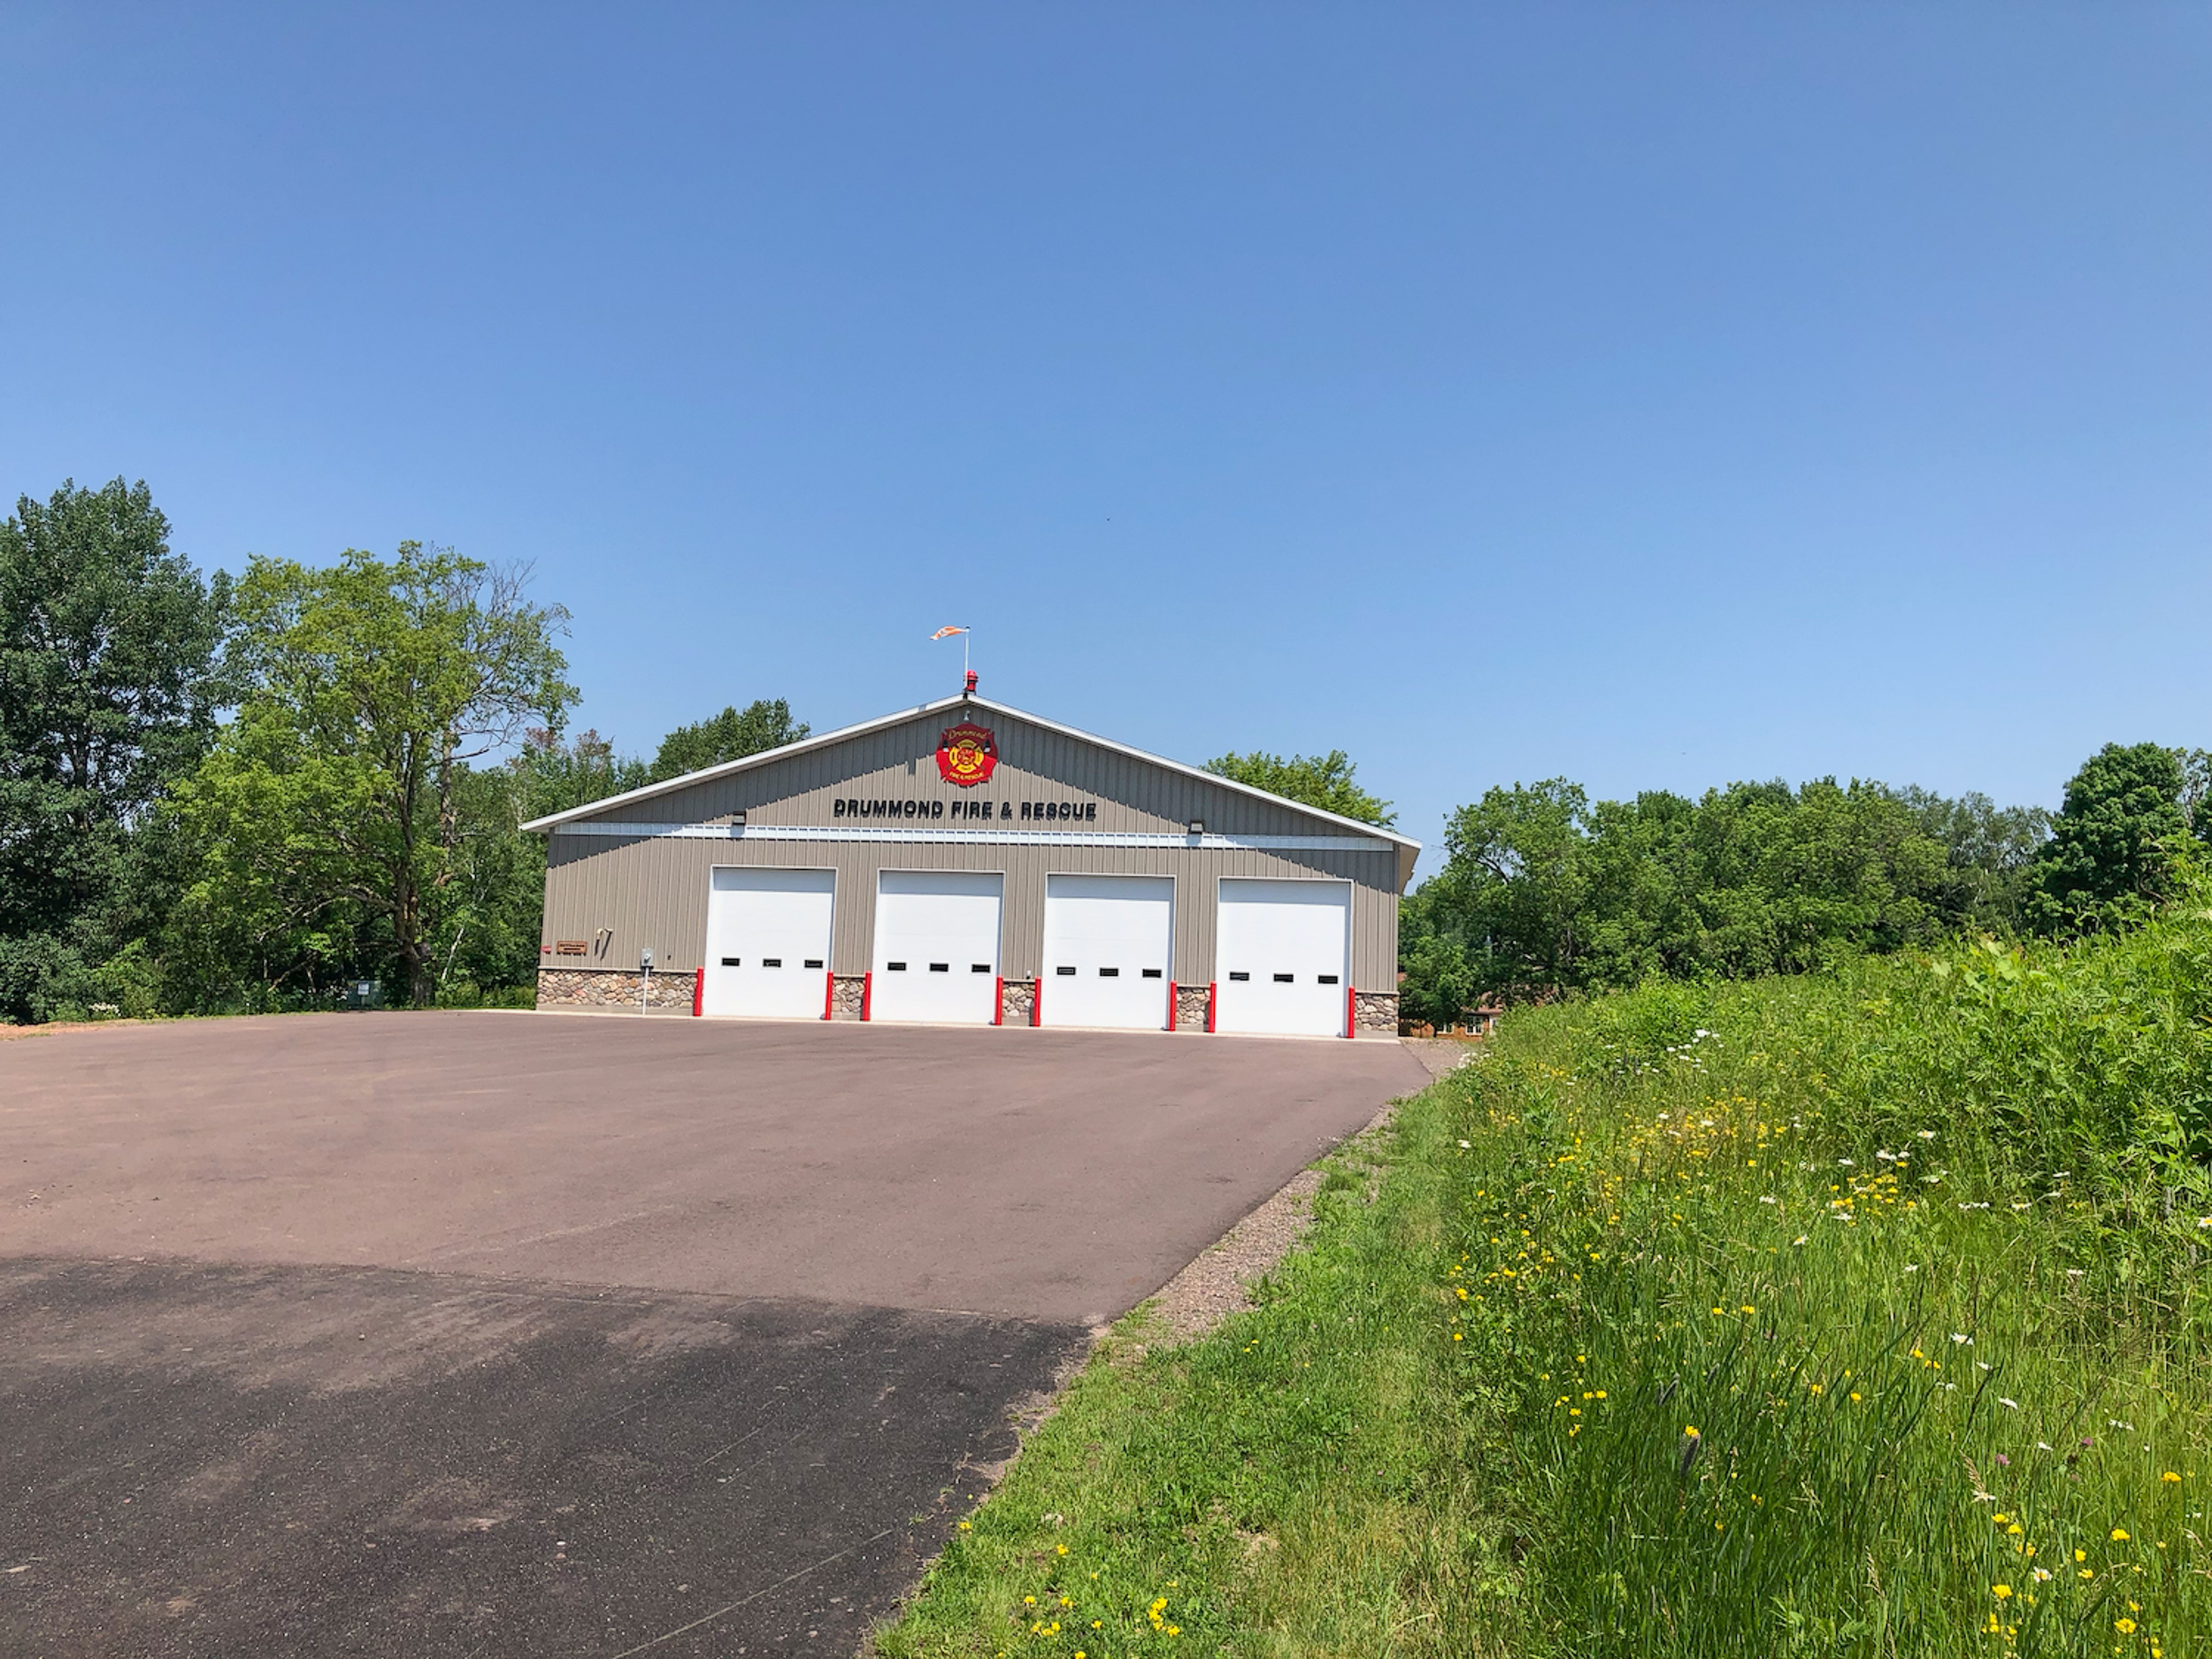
pixel 1407 848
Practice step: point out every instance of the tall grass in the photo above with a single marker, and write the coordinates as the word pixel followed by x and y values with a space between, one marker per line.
pixel 1862 1314
pixel 1858 1314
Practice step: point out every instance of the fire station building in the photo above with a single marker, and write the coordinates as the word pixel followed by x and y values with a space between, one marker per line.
pixel 964 862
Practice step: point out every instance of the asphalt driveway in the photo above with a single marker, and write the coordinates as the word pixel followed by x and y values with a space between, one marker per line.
pixel 484 1333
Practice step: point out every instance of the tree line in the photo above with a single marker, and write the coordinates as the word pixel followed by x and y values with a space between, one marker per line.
pixel 220 794
pixel 1546 892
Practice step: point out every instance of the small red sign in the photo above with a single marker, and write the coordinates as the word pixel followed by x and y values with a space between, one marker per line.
pixel 966 754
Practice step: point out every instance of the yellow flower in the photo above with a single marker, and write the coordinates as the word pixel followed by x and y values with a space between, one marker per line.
pixel 1690 1429
pixel 2125 1627
pixel 1029 1600
pixel 1854 1394
pixel 2170 1476
pixel 2001 1591
pixel 2081 1555
pixel 966 1526
pixel 2119 1535
pixel 1063 1548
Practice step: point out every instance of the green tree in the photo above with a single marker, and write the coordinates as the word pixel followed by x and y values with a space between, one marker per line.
pixel 551 775
pixel 2114 843
pixel 109 685
pixel 1516 886
pixel 2196 790
pixel 1545 891
pixel 730 735
pixel 1439 984
pixel 1322 780
pixel 334 810
pixel 1990 853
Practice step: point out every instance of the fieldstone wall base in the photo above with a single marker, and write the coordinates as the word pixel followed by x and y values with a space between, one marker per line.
pixel 610 987
pixel 1190 1007
pixel 1375 1012
pixel 845 991
pixel 1018 1001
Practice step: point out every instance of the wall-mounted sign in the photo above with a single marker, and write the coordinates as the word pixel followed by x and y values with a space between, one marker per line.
pixel 966 754
pixel 1037 812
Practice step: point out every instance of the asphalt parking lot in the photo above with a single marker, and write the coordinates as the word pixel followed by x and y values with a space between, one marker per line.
pixel 503 1334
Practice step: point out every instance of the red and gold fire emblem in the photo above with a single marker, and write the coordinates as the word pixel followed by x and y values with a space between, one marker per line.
pixel 966 754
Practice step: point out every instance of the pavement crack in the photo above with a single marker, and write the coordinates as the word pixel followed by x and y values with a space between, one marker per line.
pixel 791 1578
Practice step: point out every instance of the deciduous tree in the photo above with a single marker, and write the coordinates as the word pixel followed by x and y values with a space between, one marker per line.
pixel 2114 842
pixel 1324 781
pixel 335 800
pixel 110 647
pixel 730 735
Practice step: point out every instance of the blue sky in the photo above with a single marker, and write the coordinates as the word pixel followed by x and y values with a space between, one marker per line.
pixel 1652 395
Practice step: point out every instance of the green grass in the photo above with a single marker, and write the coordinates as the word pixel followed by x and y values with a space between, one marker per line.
pixel 1791 1317
pixel 1296 1482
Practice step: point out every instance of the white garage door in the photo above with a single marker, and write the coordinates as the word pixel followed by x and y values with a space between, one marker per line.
pixel 1108 941
pixel 768 944
pixel 1282 956
pixel 936 946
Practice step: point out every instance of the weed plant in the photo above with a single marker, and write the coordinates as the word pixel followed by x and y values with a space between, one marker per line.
pixel 1861 1313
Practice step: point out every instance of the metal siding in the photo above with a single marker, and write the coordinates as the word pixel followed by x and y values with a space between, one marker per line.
pixel 653 891
pixel 1032 763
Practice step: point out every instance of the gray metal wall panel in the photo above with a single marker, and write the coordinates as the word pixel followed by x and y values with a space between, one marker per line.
pixel 1032 763
pixel 654 891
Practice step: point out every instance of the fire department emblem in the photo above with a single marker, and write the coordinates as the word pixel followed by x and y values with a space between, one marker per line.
pixel 966 754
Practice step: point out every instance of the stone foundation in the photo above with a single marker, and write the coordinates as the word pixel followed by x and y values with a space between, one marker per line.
pixel 1375 1013
pixel 610 987
pixel 1190 1007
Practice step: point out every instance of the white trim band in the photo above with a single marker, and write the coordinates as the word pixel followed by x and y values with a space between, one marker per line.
pixel 979 837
